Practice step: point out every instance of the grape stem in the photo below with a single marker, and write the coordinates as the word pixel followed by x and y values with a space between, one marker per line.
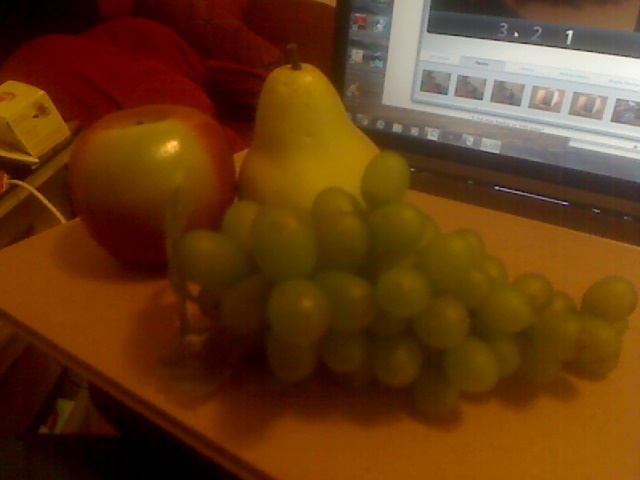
pixel 293 57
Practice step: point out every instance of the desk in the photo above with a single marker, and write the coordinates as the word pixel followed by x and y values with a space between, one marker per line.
pixel 115 326
pixel 21 214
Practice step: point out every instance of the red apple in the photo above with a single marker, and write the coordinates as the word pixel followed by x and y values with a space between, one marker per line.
pixel 125 168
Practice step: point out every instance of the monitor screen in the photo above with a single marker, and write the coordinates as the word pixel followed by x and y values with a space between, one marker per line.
pixel 541 96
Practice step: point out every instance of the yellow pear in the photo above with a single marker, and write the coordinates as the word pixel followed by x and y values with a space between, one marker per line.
pixel 303 141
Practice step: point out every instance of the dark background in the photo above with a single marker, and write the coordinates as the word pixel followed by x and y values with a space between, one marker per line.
pixel 22 20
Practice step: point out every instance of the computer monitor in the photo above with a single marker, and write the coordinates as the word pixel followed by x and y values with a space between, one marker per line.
pixel 529 106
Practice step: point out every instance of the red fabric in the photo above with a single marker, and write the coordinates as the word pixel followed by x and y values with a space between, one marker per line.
pixel 234 90
pixel 152 41
pixel 308 24
pixel 120 64
pixel 223 9
pixel 133 61
pixel 216 29
pixel 116 8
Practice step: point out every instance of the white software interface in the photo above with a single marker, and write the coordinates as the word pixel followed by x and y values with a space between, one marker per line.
pixel 512 77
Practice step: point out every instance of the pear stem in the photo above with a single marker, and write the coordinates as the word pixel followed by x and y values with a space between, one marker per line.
pixel 293 57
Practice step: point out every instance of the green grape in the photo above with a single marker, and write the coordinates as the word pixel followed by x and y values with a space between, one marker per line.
pixel 475 243
pixel 539 365
pixel 243 305
pixel 402 292
pixel 471 366
pixel 290 362
pixel 432 356
pixel 507 310
pixel 610 298
pixel 335 200
pixel 448 257
pixel 298 311
pixel 620 326
pixel 385 179
pixel 344 352
pixel 396 360
pixel 560 302
pixel 352 300
pixel 384 324
pixel 482 331
pixel 434 396
pixel 396 227
pixel 506 348
pixel 360 378
pixel 283 243
pixel 600 368
pixel 443 324
pixel 343 241
pixel 599 346
pixel 556 333
pixel 208 301
pixel 211 259
pixel 473 287
pixel 536 287
pixel 430 230
pixel 386 261
pixel 238 219
pixel 495 268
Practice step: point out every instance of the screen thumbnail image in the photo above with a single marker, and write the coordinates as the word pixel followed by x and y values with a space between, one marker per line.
pixel 547 99
pixel 435 82
pixel 470 87
pixel 626 112
pixel 359 21
pixel 507 93
pixel 381 24
pixel 375 59
pixel 356 55
pixel 588 105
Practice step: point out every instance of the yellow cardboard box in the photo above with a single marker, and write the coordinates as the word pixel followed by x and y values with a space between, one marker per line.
pixel 29 121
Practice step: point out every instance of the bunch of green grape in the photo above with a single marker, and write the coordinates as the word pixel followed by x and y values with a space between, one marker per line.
pixel 373 291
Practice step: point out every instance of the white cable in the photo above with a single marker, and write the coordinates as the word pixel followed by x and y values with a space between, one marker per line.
pixel 40 197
